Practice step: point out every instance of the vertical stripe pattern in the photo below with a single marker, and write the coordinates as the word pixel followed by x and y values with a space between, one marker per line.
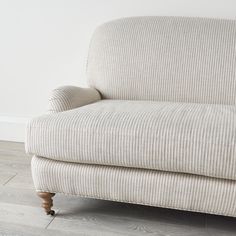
pixel 180 137
pixel 166 59
pixel 147 187
pixel 69 97
pixel 162 149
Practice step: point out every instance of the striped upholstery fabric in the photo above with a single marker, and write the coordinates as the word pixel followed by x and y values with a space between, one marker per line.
pixel 157 125
pixel 180 137
pixel 69 97
pixel 155 188
pixel 165 59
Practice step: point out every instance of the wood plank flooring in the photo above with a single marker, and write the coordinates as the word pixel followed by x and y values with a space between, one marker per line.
pixel 21 214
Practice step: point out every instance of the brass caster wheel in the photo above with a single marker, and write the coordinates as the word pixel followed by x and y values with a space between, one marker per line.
pixel 51 212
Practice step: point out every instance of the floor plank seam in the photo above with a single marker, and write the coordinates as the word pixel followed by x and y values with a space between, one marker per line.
pixel 53 217
pixel 10 179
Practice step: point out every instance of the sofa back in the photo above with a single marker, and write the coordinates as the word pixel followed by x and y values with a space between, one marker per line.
pixel 165 59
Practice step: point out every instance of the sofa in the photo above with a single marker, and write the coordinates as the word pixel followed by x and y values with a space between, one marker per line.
pixel 156 125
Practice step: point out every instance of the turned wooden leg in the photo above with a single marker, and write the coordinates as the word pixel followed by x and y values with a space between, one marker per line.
pixel 47 202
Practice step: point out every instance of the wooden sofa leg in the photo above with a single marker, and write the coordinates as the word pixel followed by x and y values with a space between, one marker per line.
pixel 47 202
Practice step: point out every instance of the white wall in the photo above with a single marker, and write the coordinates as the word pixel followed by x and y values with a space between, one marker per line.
pixel 44 43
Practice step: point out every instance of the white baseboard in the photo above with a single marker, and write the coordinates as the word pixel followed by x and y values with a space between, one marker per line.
pixel 13 128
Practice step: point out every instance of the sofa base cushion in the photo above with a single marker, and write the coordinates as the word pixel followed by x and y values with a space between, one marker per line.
pixel 146 187
pixel 179 137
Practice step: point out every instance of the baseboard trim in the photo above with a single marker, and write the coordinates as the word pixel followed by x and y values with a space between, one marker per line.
pixel 13 128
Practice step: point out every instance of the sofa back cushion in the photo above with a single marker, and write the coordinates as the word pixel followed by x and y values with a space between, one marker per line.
pixel 165 59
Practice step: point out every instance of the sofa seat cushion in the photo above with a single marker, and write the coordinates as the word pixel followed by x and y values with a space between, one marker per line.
pixel 177 137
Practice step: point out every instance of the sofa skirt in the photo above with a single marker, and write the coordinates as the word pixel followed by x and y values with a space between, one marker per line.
pixel 139 186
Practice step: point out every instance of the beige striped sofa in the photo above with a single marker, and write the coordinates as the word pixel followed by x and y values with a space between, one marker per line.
pixel 157 125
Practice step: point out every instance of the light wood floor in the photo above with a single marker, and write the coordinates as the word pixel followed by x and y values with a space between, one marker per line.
pixel 21 215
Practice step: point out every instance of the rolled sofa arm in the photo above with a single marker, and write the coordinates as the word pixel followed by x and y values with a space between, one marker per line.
pixel 70 97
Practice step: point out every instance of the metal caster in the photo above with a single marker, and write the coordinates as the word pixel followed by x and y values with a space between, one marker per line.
pixel 51 212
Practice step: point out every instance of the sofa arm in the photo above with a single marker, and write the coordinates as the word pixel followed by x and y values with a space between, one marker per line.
pixel 70 97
